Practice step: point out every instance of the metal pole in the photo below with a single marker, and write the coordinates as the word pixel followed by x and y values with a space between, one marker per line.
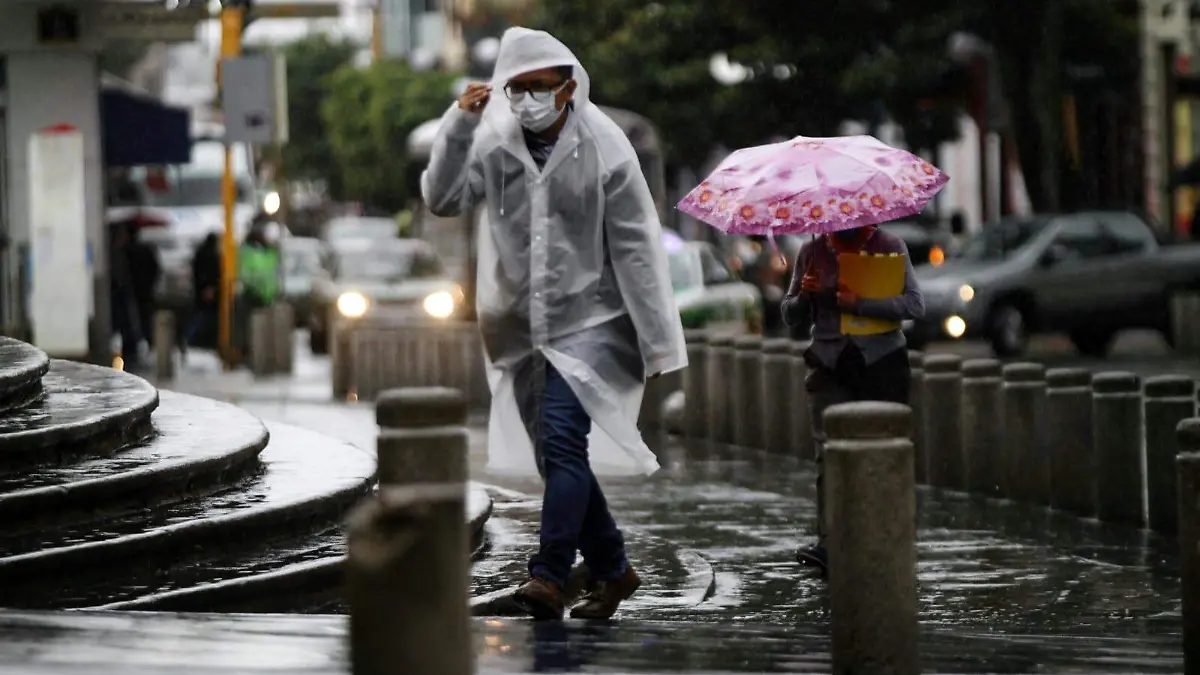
pixel 232 21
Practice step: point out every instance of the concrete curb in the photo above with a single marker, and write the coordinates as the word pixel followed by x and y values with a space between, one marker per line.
pixel 98 434
pixel 21 376
pixel 156 483
pixel 301 513
pixel 316 579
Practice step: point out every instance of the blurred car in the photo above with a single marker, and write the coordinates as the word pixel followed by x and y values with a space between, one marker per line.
pixel 1088 274
pixel 709 295
pixel 399 278
pixel 304 260
pixel 345 228
pixel 926 245
pixel 769 269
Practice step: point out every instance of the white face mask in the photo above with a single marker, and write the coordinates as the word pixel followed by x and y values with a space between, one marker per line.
pixel 536 116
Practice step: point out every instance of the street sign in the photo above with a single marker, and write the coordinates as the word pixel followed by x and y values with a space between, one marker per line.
pixel 254 96
pixel 151 22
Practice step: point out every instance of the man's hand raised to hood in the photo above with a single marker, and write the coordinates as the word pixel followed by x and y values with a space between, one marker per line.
pixel 475 97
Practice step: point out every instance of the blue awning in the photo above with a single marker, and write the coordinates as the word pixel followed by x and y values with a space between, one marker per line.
pixel 139 130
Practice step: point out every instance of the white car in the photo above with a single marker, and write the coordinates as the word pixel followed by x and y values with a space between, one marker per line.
pixel 709 294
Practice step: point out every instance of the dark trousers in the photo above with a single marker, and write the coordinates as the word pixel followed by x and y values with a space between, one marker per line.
pixel 127 321
pixel 575 513
pixel 852 379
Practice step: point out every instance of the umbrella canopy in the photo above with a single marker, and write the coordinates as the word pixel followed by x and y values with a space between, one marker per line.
pixel 813 186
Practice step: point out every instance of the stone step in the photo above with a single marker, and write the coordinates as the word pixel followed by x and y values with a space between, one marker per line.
pixel 86 410
pixel 198 445
pixel 21 373
pixel 295 576
pixel 307 483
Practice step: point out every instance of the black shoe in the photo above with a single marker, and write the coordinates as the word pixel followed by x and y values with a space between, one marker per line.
pixel 815 557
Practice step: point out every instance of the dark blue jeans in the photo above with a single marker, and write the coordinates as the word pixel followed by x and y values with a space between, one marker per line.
pixel 574 511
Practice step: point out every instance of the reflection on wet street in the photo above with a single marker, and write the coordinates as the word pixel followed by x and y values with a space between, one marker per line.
pixel 1019 588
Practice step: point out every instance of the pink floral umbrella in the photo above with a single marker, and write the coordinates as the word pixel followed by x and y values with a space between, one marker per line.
pixel 813 186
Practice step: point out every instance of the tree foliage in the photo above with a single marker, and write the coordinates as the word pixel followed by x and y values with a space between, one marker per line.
pixel 311 61
pixel 815 64
pixel 368 116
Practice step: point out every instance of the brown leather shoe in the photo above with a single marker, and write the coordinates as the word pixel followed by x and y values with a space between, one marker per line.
pixel 541 598
pixel 606 596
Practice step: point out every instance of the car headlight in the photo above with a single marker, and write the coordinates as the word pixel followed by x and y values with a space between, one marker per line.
pixel 955 326
pixel 440 305
pixel 271 203
pixel 352 304
pixel 966 293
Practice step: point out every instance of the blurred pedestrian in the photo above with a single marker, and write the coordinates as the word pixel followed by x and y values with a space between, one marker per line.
pixel 574 299
pixel 145 271
pixel 206 287
pixel 122 298
pixel 844 368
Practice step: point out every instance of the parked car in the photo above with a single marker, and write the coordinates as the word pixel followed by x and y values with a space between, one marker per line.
pixel 345 228
pixel 402 278
pixel 304 260
pixel 709 295
pixel 1088 274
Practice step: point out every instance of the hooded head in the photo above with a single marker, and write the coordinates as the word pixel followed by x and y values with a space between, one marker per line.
pixel 537 76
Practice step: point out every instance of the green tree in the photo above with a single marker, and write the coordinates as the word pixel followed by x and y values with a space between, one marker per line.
pixel 369 115
pixel 311 61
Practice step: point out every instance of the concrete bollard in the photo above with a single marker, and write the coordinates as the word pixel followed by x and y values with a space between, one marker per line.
pixel 695 386
pixel 262 343
pixel 283 328
pixel 747 387
pixel 870 497
pixel 1117 433
pixel 1069 440
pixel 406 582
pixel 720 365
pixel 778 407
pixel 801 427
pixel 916 365
pixel 1168 400
pixel 941 399
pixel 1028 466
pixel 164 344
pixel 423 436
pixel 1185 322
pixel 982 435
pixel 1188 478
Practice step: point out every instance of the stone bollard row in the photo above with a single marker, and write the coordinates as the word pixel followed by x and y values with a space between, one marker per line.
pixel 407 563
pixel 1027 465
pixel 778 408
pixel 747 408
pixel 870 498
pixel 942 402
pixel 1117 433
pixel 916 366
pixel 695 386
pixel 1168 401
pixel 1069 438
pixel 1188 505
pixel 164 344
pixel 720 369
pixel 981 399
pixel 801 429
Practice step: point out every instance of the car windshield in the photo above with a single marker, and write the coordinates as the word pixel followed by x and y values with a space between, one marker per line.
pixel 685 269
pixel 388 265
pixel 997 241
pixel 193 191
pixel 360 228
pixel 301 260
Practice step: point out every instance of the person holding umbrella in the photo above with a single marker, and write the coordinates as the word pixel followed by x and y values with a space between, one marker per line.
pixel 838 190
pixel 845 368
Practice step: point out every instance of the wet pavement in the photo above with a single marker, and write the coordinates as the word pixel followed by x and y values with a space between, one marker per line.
pixel 1003 587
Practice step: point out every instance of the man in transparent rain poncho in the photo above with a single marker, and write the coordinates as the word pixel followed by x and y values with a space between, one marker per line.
pixel 574 300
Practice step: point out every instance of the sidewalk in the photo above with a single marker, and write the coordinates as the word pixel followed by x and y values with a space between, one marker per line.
pixel 1003 587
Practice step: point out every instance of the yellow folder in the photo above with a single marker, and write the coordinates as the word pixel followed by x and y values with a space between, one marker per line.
pixel 873 277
